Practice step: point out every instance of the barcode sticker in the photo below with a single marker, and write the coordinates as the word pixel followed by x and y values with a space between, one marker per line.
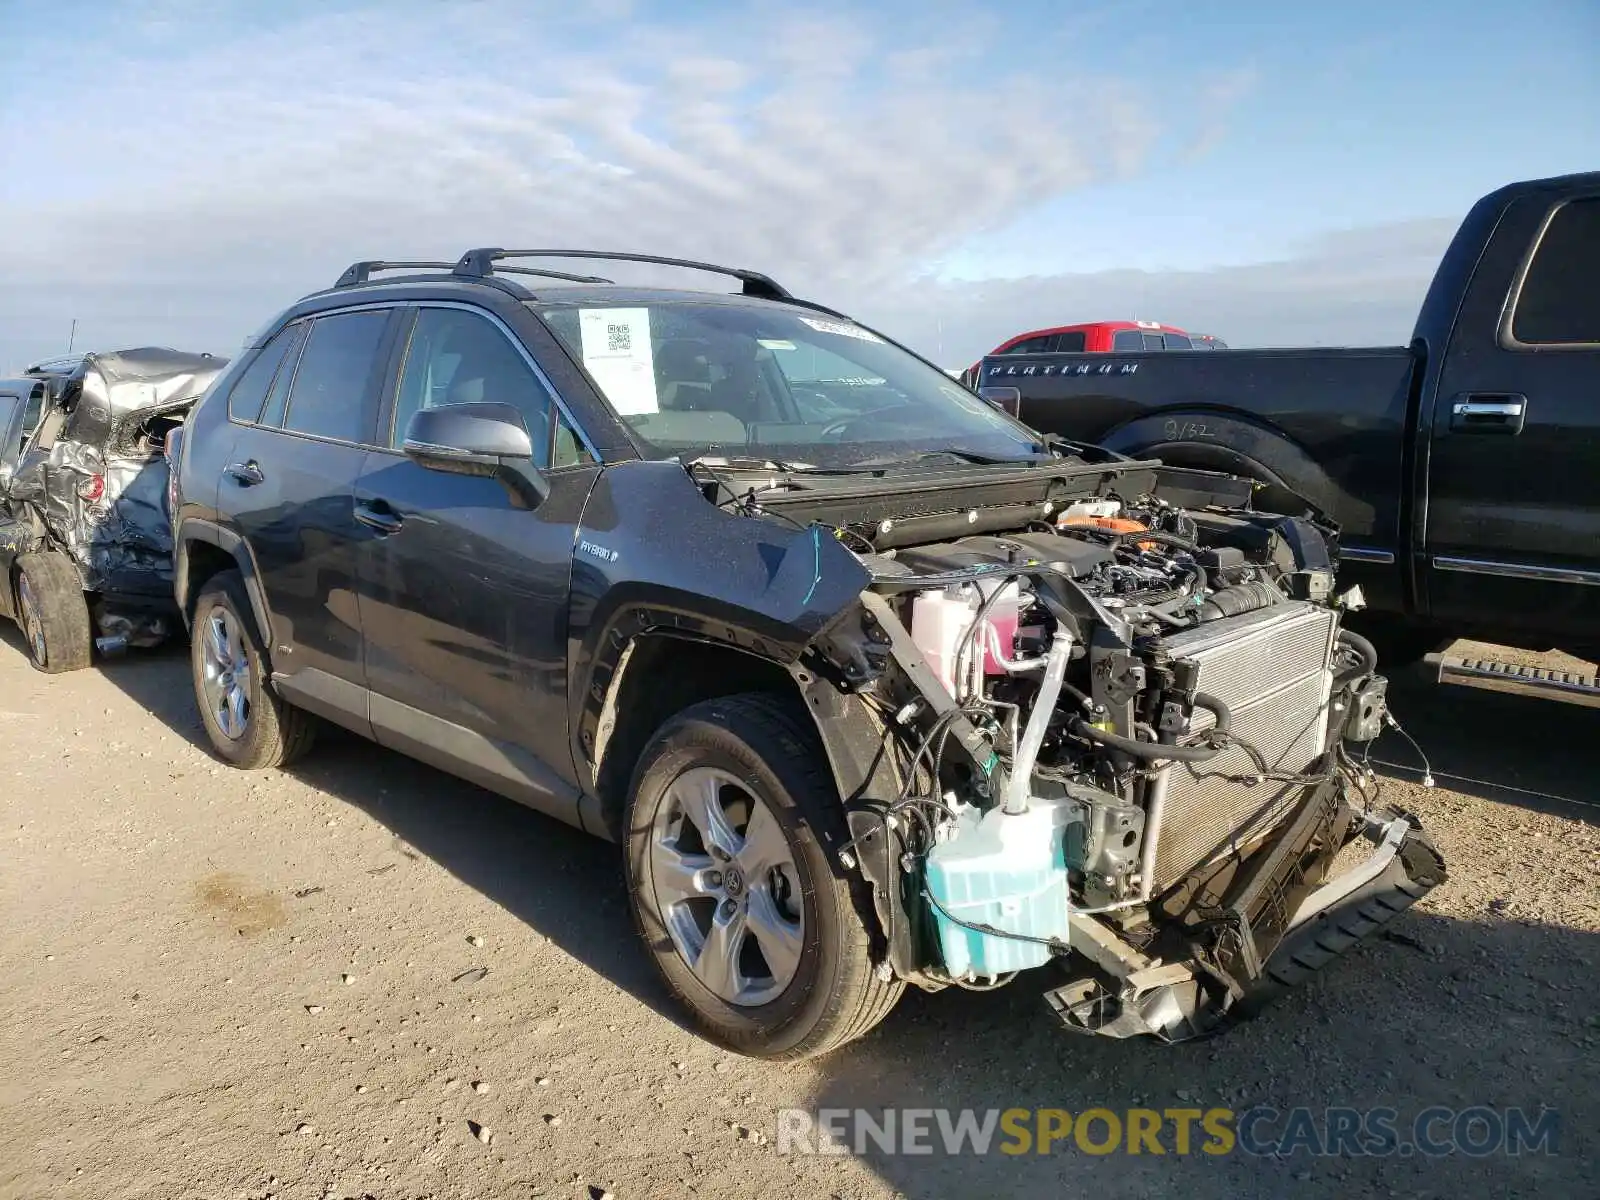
pixel 618 355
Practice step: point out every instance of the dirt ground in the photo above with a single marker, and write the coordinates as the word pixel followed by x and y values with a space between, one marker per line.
pixel 220 984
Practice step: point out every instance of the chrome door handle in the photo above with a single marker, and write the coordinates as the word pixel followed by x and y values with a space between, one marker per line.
pixel 1490 413
pixel 1489 408
pixel 378 515
pixel 246 473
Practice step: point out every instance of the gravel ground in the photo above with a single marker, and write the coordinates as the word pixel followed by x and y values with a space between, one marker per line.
pixel 362 978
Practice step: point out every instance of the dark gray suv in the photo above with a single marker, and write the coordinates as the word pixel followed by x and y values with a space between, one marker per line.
pixel 860 671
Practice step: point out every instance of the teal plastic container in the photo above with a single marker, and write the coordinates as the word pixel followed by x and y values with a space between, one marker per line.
pixel 1008 872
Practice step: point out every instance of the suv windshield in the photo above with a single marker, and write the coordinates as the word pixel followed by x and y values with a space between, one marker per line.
pixel 728 379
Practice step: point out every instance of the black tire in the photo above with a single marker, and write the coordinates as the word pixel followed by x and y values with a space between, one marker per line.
pixel 270 732
pixel 834 995
pixel 53 613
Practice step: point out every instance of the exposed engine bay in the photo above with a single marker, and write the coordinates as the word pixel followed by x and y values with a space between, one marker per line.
pixel 1121 734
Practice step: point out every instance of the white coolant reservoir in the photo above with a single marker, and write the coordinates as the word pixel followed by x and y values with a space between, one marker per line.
pixel 940 621
pixel 1007 872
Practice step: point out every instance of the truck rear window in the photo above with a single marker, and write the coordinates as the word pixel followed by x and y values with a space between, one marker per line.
pixel 1559 303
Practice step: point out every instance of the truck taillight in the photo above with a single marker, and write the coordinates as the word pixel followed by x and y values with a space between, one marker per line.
pixel 92 489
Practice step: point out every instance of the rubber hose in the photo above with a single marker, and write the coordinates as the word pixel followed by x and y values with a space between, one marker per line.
pixel 1367 652
pixel 1163 751
pixel 1241 598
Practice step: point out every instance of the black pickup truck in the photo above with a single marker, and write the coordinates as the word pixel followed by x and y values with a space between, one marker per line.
pixel 1463 469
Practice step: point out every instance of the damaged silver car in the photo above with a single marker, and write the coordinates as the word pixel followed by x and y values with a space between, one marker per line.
pixel 85 533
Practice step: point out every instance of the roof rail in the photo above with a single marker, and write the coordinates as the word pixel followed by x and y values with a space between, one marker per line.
pixel 358 273
pixel 553 275
pixel 481 262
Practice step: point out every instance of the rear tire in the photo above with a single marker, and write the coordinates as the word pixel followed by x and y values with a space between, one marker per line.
pixel 53 613
pixel 807 985
pixel 250 725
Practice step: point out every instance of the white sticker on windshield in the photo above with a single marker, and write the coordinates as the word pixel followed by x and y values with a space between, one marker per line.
pixel 774 344
pixel 617 352
pixel 842 328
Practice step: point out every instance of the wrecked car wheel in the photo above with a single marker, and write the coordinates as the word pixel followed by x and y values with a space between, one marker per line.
pixel 745 911
pixel 53 613
pixel 249 724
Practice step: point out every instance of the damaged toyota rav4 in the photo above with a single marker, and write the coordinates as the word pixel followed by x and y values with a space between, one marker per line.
pixel 85 539
pixel 875 686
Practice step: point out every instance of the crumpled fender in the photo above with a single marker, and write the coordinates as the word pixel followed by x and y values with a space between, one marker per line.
pixel 754 585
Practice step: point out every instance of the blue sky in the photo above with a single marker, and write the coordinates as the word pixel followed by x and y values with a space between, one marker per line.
pixel 1341 116
pixel 952 172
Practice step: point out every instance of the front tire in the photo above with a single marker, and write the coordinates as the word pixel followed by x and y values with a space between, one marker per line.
pixel 53 613
pixel 749 917
pixel 250 725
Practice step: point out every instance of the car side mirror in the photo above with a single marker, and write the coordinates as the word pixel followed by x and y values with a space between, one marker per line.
pixel 483 438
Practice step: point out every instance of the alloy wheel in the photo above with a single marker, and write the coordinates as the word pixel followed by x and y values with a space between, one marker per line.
pixel 32 625
pixel 726 887
pixel 225 673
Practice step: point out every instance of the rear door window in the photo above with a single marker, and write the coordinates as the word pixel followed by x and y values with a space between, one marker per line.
pixel 1177 341
pixel 1559 302
pixel 33 410
pixel 333 394
pixel 9 404
pixel 1128 339
pixel 1070 343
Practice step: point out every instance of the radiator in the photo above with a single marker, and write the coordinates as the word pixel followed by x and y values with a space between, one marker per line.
pixel 1271 668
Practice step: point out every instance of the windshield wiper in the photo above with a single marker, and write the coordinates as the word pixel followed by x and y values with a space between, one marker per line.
pixel 739 462
pixel 748 462
pixel 971 456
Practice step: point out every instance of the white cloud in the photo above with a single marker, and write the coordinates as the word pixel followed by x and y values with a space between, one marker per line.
pixel 217 174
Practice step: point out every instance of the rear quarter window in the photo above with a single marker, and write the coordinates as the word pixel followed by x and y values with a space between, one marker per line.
pixel 1558 303
pixel 249 391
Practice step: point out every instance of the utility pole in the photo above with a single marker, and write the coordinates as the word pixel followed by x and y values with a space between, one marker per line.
pixel 72 340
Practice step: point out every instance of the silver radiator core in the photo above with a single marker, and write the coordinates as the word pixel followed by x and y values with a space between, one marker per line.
pixel 1271 668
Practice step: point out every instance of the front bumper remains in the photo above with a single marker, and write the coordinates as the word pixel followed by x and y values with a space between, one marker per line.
pixel 1269 946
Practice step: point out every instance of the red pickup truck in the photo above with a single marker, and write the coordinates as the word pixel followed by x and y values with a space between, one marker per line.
pixel 1099 337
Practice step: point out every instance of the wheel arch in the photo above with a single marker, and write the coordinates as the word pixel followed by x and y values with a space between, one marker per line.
pixel 203 549
pixel 1222 440
pixel 660 673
